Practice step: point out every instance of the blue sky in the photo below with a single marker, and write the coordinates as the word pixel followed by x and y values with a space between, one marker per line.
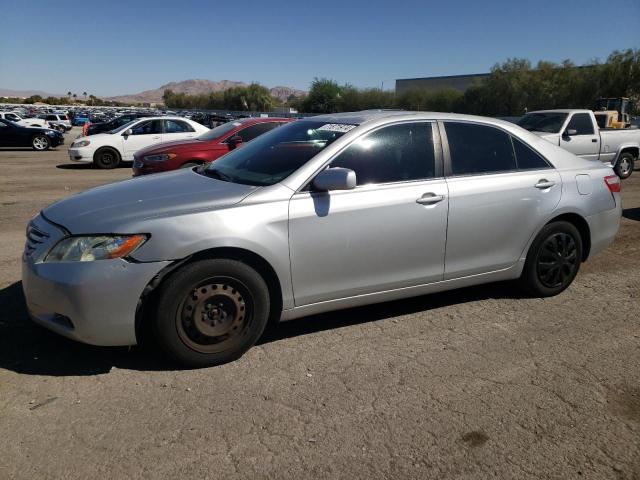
pixel 117 47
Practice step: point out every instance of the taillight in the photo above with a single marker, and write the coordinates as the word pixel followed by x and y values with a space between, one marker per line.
pixel 613 183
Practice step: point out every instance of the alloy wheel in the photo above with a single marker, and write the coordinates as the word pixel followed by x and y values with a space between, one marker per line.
pixel 625 166
pixel 40 143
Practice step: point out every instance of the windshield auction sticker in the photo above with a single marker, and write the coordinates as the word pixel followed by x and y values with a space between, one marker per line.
pixel 337 127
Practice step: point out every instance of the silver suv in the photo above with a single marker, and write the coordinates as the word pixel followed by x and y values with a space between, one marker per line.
pixel 321 214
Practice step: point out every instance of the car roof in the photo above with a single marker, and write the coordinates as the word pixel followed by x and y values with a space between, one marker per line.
pixel 252 120
pixel 369 116
pixel 562 110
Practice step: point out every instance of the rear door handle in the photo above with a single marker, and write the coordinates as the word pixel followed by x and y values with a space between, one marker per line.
pixel 544 183
pixel 430 198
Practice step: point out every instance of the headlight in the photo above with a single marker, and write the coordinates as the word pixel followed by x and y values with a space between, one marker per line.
pixel 87 249
pixel 163 157
pixel 51 133
pixel 81 143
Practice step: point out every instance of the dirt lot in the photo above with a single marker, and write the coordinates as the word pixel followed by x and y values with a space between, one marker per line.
pixel 474 383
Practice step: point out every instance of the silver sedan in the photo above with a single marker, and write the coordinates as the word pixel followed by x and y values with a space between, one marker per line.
pixel 325 213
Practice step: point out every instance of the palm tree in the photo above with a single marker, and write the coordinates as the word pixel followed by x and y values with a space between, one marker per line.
pixel 85 96
pixel 74 97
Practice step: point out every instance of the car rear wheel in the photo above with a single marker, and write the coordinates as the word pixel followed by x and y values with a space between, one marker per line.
pixel 40 142
pixel 211 312
pixel 624 165
pixel 553 260
pixel 106 158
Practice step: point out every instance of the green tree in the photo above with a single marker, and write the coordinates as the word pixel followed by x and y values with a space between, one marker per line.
pixel 323 97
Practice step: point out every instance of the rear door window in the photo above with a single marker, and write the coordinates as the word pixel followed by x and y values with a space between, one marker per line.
pixel 527 158
pixel 176 126
pixel 479 149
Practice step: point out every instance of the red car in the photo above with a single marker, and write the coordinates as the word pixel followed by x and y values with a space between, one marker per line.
pixel 206 148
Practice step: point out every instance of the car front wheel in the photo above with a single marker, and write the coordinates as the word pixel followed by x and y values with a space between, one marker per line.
pixel 106 158
pixel 211 312
pixel 553 260
pixel 40 142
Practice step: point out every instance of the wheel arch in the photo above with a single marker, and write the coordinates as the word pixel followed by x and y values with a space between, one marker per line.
pixel 632 149
pixel 257 262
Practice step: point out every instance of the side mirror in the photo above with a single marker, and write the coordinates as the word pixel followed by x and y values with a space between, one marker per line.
pixel 335 179
pixel 570 132
pixel 234 141
pixel 128 132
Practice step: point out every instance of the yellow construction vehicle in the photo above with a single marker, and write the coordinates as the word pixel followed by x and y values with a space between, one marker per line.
pixel 608 119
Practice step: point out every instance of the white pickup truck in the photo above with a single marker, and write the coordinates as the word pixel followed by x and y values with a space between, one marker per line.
pixel 578 132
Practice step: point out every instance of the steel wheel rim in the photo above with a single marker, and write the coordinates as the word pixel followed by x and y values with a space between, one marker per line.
pixel 40 143
pixel 557 260
pixel 107 158
pixel 215 315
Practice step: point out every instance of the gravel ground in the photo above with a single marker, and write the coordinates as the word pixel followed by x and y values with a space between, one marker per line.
pixel 474 383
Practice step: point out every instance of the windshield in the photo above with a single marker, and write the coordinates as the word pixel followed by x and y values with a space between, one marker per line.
pixel 548 122
pixel 123 127
pixel 275 155
pixel 219 131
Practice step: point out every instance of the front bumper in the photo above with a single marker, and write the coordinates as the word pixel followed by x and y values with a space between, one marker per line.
pixel 56 141
pixel 92 302
pixel 80 155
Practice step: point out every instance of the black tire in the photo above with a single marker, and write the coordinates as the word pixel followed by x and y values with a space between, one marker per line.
pixel 553 260
pixel 211 312
pixel 40 143
pixel 189 165
pixel 106 158
pixel 624 165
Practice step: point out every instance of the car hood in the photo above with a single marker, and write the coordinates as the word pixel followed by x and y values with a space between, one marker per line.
pixel 547 135
pixel 118 207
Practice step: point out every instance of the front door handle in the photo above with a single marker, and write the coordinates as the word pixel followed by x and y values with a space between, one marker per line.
pixel 544 183
pixel 594 140
pixel 156 138
pixel 430 198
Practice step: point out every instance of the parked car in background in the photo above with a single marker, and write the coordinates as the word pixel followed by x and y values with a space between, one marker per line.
pixel 577 131
pixel 23 122
pixel 324 213
pixel 14 135
pixel 80 119
pixel 95 128
pixel 206 148
pixel 107 150
pixel 58 121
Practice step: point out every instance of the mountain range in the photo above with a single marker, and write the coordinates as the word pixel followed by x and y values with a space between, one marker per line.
pixel 190 87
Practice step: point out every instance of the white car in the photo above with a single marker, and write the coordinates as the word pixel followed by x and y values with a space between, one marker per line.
pixel 24 122
pixel 107 150
pixel 59 121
